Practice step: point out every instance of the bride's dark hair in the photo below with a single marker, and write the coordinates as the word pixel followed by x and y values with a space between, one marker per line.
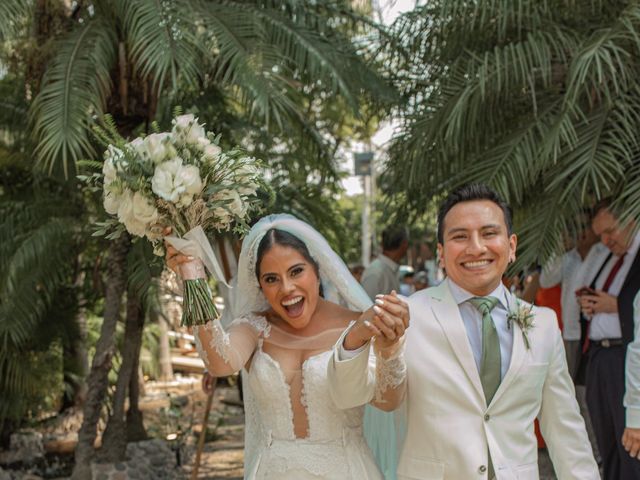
pixel 284 239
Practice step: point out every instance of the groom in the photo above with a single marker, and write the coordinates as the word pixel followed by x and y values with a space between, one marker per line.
pixel 480 365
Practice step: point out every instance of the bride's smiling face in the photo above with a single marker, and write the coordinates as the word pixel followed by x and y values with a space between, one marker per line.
pixel 290 284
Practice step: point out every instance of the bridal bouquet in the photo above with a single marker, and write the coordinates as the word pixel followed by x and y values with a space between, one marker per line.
pixel 180 179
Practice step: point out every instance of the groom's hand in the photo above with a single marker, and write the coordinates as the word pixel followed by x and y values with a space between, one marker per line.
pixel 631 441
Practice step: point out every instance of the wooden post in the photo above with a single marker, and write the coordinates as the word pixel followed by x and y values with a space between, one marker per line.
pixel 205 421
pixel 203 434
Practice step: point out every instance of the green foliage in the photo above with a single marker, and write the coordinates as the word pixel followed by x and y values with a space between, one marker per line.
pixel 38 249
pixel 266 58
pixel 538 99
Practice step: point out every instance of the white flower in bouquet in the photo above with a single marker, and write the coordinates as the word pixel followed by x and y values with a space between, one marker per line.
pixel 187 130
pixel 158 147
pixel 175 182
pixel 137 213
pixel 108 169
pixel 212 152
pixel 234 204
pixel 138 146
pixel 111 202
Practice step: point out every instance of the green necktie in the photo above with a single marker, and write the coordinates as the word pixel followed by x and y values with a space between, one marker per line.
pixel 490 365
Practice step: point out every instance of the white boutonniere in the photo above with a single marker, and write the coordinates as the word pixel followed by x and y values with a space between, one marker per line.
pixel 523 316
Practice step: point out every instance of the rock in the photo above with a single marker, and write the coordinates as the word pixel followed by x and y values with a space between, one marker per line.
pixel 4 475
pixel 26 446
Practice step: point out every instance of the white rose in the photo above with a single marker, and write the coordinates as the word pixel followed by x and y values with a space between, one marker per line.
pixel 203 143
pixel 211 152
pixel 162 182
pixel 143 210
pixel 189 177
pixel 138 146
pixel 111 202
pixel 186 129
pixel 109 171
pixel 158 146
pixel 182 122
pixel 126 215
pixel 176 183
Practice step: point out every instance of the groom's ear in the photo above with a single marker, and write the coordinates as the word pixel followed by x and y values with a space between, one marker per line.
pixel 440 254
pixel 513 244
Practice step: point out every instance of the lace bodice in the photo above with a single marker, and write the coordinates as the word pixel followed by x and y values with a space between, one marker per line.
pixel 325 420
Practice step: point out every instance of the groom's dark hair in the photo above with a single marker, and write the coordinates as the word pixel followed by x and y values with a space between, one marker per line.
pixel 469 193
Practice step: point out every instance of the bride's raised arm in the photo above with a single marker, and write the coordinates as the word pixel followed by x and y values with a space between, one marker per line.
pixel 226 352
pixel 223 352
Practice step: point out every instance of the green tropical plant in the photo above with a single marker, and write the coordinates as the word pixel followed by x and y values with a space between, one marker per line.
pixel 39 242
pixel 539 99
pixel 265 56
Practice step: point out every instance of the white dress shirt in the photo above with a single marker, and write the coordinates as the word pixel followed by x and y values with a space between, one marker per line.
pixel 472 319
pixel 572 272
pixel 607 325
pixel 632 372
pixel 562 270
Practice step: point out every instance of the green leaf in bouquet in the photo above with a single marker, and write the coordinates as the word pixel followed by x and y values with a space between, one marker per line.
pixel 215 188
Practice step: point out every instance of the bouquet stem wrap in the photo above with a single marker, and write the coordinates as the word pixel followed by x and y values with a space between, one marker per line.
pixel 197 305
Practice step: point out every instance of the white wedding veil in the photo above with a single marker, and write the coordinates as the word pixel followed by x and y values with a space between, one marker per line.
pixel 338 284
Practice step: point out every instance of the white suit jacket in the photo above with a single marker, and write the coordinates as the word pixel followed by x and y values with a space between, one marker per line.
pixel 450 429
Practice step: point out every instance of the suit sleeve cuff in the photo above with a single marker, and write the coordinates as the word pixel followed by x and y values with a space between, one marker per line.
pixel 633 417
pixel 343 354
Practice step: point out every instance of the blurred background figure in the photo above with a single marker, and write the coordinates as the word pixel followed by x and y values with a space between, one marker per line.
pixel 406 284
pixel 356 271
pixel 382 275
pixel 420 281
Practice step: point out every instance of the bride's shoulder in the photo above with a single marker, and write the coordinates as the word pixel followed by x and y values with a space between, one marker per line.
pixel 257 320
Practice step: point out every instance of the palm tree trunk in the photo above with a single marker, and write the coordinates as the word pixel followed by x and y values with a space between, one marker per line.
pixel 164 351
pixel 114 440
pixel 98 377
pixel 135 424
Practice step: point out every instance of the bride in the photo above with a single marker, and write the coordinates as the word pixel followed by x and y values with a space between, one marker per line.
pixel 294 300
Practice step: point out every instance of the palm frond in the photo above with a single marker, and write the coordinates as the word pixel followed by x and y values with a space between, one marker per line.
pixel 11 11
pixel 163 44
pixel 74 89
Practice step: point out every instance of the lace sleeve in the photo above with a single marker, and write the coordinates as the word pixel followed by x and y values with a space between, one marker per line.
pixel 226 352
pixel 391 374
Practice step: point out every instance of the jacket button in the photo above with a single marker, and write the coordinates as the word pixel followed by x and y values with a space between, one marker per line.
pixel 487 417
pixel 482 469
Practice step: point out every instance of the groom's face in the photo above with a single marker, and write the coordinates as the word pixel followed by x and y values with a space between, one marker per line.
pixel 476 246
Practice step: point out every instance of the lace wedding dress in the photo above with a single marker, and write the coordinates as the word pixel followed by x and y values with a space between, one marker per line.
pixel 293 428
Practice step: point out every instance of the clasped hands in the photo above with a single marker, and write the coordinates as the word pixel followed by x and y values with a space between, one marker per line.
pixel 387 321
pixel 598 302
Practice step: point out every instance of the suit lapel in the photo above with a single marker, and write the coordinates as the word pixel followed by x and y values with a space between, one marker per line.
pixel 448 316
pixel 518 354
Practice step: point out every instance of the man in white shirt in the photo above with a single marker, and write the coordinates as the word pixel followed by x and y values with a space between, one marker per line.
pixel 611 330
pixel 631 436
pixel 382 275
pixel 481 365
pixel 567 271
